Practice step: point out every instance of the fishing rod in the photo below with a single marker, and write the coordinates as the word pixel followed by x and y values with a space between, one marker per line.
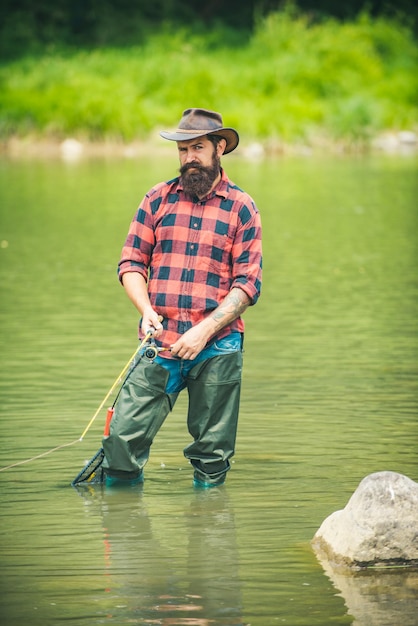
pixel 93 472
pixel 151 352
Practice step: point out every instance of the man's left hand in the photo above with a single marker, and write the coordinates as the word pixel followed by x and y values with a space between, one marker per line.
pixel 190 344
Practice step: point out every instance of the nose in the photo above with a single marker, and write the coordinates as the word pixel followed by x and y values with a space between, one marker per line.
pixel 190 157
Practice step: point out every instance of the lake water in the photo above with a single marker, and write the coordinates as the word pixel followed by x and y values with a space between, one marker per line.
pixel 330 396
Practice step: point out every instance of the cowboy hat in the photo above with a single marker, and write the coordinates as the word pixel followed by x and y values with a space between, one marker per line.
pixel 199 122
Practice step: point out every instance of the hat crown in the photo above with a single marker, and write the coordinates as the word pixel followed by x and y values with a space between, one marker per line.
pixel 200 119
pixel 199 122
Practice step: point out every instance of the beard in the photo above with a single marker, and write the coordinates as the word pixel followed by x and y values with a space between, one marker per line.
pixel 197 180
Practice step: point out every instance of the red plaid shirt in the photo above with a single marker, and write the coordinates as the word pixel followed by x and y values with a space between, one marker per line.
pixel 192 253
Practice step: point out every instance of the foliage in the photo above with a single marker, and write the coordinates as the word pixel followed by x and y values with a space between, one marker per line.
pixel 28 26
pixel 293 80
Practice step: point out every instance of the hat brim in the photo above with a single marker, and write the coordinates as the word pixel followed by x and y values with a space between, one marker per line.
pixel 229 134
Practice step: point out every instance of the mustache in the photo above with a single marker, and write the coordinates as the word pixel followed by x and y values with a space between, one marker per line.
pixel 191 166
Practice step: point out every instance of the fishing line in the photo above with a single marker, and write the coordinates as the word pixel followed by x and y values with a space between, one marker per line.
pixel 39 456
pixel 109 393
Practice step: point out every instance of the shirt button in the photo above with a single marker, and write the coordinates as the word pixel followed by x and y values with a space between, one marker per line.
pixel 195 225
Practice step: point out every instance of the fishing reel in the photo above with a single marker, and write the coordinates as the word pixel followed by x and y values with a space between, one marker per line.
pixel 152 350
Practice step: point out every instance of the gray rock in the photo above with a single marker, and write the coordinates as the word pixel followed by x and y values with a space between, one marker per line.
pixel 378 526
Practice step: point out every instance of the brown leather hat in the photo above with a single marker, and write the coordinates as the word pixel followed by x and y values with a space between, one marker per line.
pixel 199 122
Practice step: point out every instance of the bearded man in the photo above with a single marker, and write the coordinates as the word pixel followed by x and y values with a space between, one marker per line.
pixel 191 265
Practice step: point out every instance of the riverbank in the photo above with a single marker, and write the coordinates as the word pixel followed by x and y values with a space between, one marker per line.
pixel 72 150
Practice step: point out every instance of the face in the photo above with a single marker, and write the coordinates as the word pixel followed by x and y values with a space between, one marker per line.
pixel 200 164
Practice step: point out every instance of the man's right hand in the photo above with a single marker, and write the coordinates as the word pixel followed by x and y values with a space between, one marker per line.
pixel 151 322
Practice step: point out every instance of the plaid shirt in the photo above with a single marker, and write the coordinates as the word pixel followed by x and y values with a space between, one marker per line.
pixel 192 253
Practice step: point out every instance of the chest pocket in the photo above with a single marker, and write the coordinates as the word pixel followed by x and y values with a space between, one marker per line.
pixel 214 250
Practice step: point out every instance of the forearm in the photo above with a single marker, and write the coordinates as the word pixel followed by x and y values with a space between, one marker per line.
pixel 136 290
pixel 194 340
pixel 233 305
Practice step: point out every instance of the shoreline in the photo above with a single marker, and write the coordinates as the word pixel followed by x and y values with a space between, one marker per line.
pixel 75 149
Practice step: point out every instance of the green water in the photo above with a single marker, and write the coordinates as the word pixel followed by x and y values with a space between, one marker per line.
pixel 330 395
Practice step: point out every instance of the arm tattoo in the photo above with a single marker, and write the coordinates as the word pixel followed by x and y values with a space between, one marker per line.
pixel 234 304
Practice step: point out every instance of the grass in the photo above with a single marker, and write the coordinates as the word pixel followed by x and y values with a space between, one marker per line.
pixel 292 81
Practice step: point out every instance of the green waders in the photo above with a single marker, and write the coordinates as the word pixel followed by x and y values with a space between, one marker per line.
pixel 213 386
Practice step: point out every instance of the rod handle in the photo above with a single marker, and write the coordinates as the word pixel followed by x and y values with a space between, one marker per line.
pixel 109 416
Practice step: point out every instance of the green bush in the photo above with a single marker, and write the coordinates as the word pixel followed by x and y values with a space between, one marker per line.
pixel 291 81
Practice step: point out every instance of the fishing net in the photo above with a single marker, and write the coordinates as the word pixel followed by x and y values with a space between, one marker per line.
pixel 92 472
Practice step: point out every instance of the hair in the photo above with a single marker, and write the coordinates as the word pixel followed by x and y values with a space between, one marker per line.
pixel 214 139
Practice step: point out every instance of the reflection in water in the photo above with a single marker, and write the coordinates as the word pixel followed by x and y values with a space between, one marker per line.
pixel 165 577
pixel 378 597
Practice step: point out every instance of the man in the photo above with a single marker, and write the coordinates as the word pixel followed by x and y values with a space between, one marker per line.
pixel 191 265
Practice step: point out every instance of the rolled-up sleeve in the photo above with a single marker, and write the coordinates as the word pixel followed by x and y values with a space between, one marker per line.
pixel 139 244
pixel 247 253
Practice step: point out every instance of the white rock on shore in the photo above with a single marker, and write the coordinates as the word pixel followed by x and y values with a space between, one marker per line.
pixel 378 526
pixel 404 141
pixel 71 149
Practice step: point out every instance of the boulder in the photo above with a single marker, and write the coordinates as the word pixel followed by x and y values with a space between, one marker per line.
pixel 377 527
pixel 71 149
